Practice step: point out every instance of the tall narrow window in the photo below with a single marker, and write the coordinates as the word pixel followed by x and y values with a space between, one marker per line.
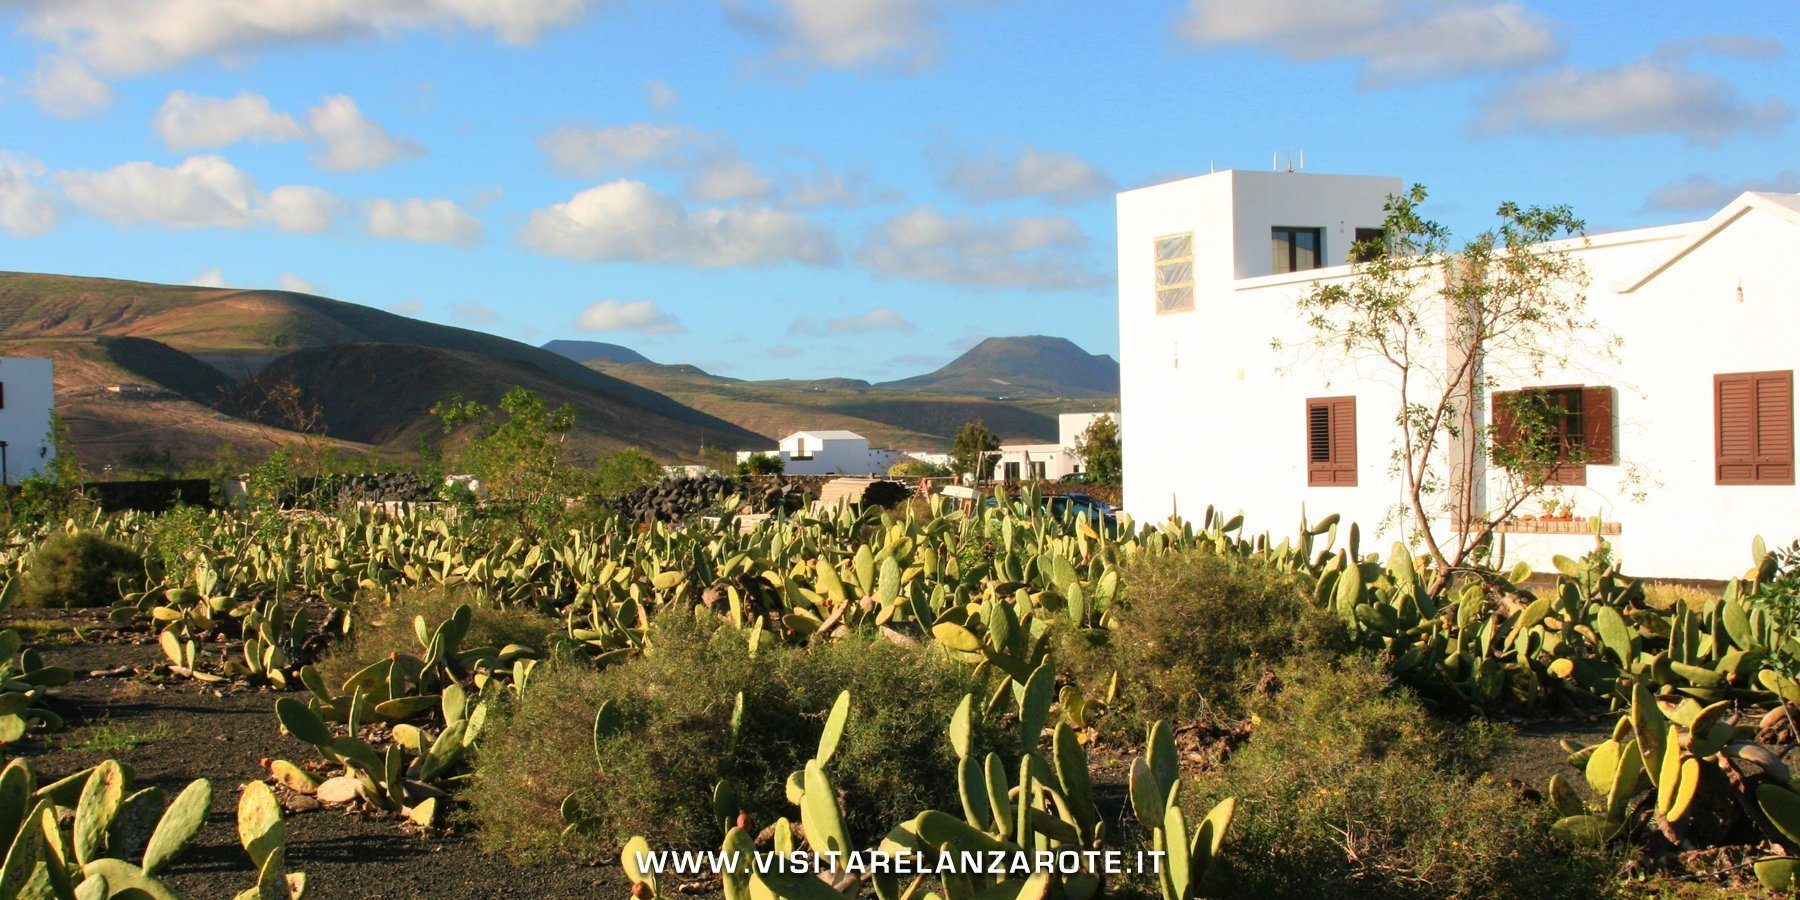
pixel 1331 442
pixel 1296 249
pixel 1754 428
pixel 1175 273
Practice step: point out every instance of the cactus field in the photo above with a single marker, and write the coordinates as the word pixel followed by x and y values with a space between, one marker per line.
pixel 268 695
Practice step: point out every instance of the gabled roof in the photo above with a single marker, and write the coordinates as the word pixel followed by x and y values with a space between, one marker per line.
pixel 829 435
pixel 1785 206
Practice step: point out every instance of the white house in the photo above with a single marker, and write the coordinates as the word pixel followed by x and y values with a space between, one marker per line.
pixel 27 398
pixel 1038 462
pixel 1688 427
pixel 828 453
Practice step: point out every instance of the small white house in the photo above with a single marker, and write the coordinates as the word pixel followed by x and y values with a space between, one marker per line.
pixel 1040 462
pixel 828 453
pixel 1688 428
pixel 27 398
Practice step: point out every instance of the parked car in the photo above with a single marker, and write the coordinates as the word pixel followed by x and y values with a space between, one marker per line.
pixel 1062 506
pixel 1074 478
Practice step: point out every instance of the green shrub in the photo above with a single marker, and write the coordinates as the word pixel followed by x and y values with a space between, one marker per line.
pixel 383 628
pixel 82 569
pixel 1348 788
pixel 1194 633
pixel 657 777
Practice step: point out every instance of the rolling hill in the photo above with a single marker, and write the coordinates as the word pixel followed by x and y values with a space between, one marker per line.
pixel 1012 367
pixel 245 334
pixel 902 420
pixel 588 351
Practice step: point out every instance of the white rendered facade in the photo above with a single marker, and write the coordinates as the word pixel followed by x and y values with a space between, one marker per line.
pixel 27 398
pixel 829 453
pixel 1220 414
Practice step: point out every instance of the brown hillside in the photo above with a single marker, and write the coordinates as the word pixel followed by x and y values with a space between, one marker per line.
pixel 383 393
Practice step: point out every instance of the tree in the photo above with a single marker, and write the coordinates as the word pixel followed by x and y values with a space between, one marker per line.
pixel 1098 447
pixel 973 451
pixel 913 468
pixel 1446 325
pixel 620 473
pixel 761 464
pixel 519 457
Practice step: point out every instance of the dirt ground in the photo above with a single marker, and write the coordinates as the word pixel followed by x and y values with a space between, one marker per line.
pixel 173 733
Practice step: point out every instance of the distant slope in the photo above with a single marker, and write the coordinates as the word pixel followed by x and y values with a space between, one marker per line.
pixel 901 420
pixel 244 331
pixel 382 394
pixel 590 351
pixel 106 428
pixel 1012 367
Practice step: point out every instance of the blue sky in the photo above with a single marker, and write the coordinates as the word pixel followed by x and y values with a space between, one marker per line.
pixel 798 188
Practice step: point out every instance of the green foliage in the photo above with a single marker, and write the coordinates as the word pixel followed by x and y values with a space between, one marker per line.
pixel 1194 633
pixel 973 449
pixel 1778 597
pixel 1102 458
pixel 1348 788
pixel 518 458
pixel 621 473
pixel 655 774
pixel 914 468
pixel 761 464
pixel 386 627
pixel 77 570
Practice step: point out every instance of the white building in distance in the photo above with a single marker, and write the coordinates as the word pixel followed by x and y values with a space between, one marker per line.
pixel 27 399
pixel 1687 432
pixel 828 453
pixel 1040 462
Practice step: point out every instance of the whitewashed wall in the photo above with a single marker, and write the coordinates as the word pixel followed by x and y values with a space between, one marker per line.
pixel 30 397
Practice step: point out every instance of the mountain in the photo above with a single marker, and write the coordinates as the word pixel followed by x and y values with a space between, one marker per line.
pixel 901 420
pixel 1012 367
pixel 244 333
pixel 591 351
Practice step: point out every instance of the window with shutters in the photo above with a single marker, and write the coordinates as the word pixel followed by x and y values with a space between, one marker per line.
pixel 1331 442
pixel 1554 432
pixel 1754 428
pixel 1175 273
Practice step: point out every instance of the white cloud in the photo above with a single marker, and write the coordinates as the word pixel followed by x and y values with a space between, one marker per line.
pixel 204 191
pixel 830 189
pixel 212 278
pixel 474 313
pixel 64 87
pixel 1701 192
pixel 1395 41
pixel 628 220
pixel 406 307
pixel 302 208
pixel 434 221
pixel 146 35
pixel 1061 178
pixel 879 319
pixel 352 141
pixel 26 205
pixel 189 121
pixel 288 281
pixel 639 316
pixel 785 351
pixel 660 96
pixel 585 152
pixel 728 179
pixel 1647 96
pixel 847 34
pixel 1022 252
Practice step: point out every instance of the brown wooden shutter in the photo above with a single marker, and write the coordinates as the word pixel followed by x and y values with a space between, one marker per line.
pixel 1754 428
pixel 1331 442
pixel 1506 426
pixel 1775 428
pixel 1597 426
